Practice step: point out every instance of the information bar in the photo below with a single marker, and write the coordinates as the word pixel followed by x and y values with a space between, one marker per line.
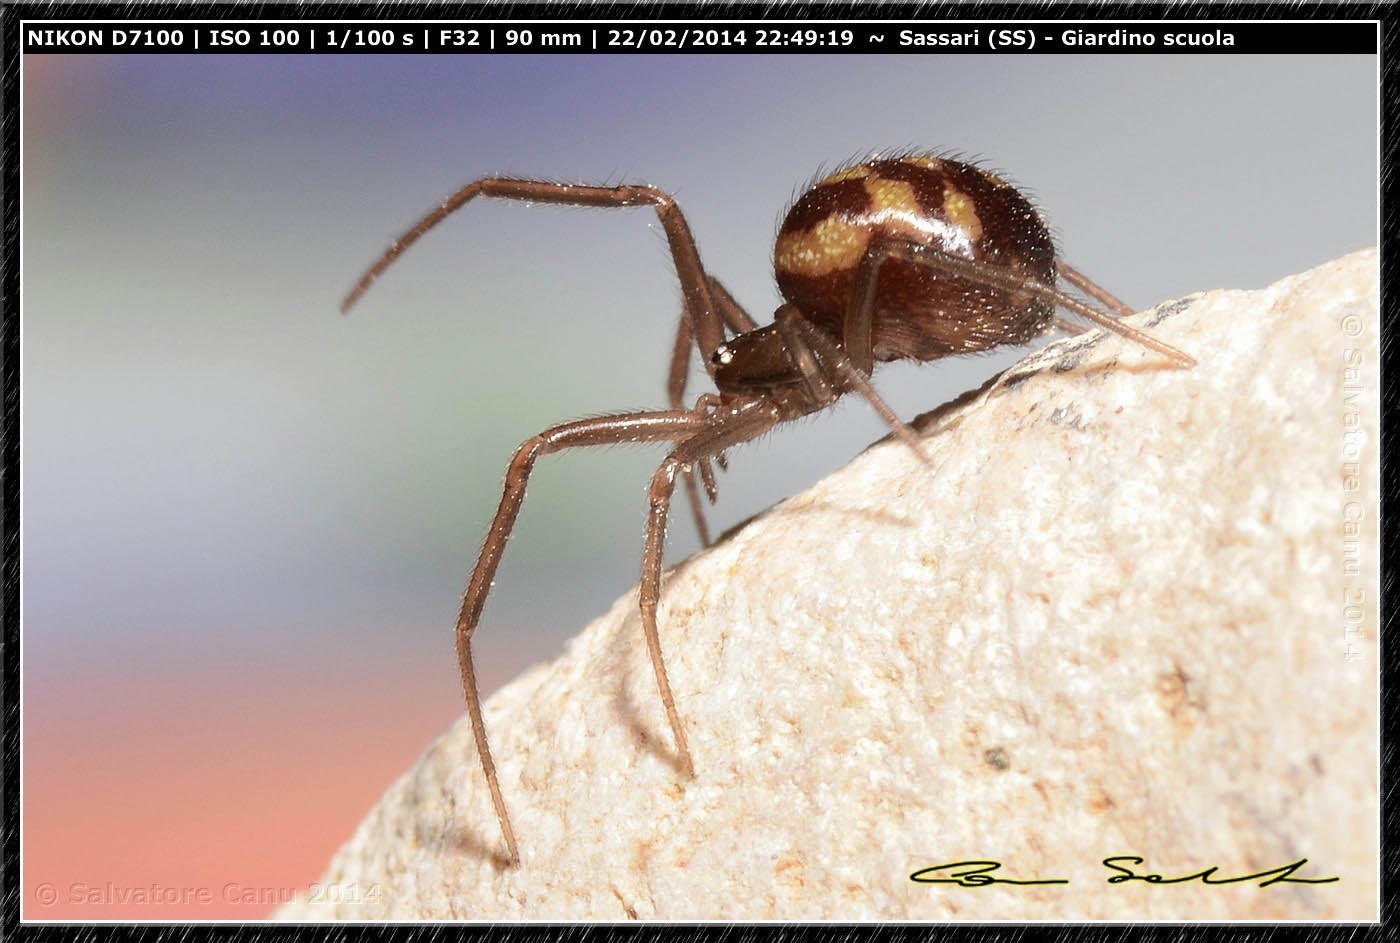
pixel 698 36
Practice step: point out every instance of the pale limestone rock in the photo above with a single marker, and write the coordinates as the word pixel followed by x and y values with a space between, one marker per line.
pixel 1109 620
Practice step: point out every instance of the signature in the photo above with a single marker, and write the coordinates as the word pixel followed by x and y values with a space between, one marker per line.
pixel 979 873
pixel 974 874
pixel 1283 874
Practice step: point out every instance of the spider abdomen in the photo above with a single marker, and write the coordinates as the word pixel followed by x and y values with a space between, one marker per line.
pixel 919 313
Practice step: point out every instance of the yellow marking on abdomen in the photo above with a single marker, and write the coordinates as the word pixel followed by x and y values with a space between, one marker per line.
pixel 832 245
pixel 961 211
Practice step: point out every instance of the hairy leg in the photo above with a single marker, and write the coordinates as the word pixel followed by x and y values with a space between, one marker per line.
pixel 669 425
pixel 726 427
pixel 705 317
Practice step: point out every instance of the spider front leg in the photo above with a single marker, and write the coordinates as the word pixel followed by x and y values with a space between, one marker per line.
pixel 729 426
pixel 708 307
pixel 706 320
pixel 659 426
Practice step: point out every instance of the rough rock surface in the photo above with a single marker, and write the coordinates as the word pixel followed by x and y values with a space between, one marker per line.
pixel 1110 620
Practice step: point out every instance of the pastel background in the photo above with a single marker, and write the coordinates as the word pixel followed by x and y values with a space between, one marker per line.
pixel 247 520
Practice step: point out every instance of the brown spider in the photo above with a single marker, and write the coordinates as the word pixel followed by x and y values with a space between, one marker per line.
pixel 903 257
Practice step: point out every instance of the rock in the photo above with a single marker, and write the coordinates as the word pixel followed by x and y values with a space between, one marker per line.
pixel 1111 620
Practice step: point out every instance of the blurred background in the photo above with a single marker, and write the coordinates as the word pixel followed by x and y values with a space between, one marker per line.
pixel 248 520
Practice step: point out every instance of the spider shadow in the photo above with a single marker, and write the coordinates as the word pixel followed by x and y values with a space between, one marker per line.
pixel 459 838
pixel 468 843
pixel 929 421
pixel 642 734
pixel 653 740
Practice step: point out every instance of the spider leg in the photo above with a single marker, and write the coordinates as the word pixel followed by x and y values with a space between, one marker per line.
pixel 706 320
pixel 735 318
pixel 707 475
pixel 858 316
pixel 738 321
pixel 733 313
pixel 802 337
pixel 706 403
pixel 738 423
pixel 675 387
pixel 697 508
pixel 659 426
pixel 1091 288
pixel 789 320
pixel 1076 278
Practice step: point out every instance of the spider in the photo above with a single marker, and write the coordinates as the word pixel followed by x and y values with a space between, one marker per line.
pixel 897 257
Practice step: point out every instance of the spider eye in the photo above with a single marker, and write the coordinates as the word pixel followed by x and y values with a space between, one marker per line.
pixel 724 354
